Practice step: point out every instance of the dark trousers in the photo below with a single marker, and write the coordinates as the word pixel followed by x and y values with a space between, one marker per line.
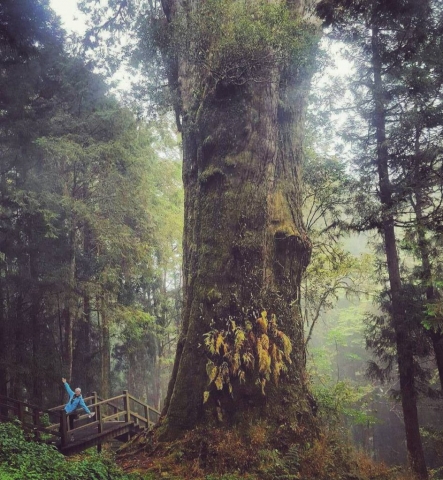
pixel 72 416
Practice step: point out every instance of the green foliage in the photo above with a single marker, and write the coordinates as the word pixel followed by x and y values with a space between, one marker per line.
pixel 333 272
pixel 239 41
pixel 337 363
pixel 434 315
pixel 326 187
pixel 28 27
pixel 22 459
pixel 345 400
pixel 276 466
pixel 91 202
pixel 25 459
pixel 433 440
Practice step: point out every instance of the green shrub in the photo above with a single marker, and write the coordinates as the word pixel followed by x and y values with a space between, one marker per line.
pixel 22 459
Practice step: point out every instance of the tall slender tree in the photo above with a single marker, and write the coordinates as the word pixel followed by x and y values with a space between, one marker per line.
pixel 387 38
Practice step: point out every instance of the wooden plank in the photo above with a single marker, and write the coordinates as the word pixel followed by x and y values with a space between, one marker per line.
pixel 86 441
pixel 109 400
pixel 139 417
pixel 108 418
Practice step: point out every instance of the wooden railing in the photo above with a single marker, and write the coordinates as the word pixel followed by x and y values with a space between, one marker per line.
pixel 32 417
pixel 123 408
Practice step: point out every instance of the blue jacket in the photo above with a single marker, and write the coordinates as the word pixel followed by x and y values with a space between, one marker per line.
pixel 75 402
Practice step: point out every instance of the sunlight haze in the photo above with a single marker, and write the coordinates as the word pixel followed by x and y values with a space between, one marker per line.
pixel 70 15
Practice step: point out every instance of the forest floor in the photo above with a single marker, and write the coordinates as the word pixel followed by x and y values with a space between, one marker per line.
pixel 221 455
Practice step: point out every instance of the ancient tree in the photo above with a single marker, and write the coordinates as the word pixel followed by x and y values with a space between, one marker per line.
pixel 240 73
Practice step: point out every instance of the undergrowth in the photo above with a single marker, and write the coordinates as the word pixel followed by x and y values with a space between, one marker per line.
pixel 22 459
pixel 202 454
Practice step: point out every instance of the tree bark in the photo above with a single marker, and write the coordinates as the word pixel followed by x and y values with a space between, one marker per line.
pixel 4 320
pixel 105 352
pixel 3 343
pixel 69 310
pixel 245 246
pixel 404 345
pixel 84 363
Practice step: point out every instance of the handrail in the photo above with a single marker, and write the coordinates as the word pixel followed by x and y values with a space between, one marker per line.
pixel 113 405
pixel 61 428
pixel 106 402
pixel 114 415
pixel 26 404
pixel 98 404
pixel 136 400
pixel 21 409
pixel 61 407
pixel 140 417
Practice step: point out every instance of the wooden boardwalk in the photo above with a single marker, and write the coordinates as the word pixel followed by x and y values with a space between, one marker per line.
pixel 118 417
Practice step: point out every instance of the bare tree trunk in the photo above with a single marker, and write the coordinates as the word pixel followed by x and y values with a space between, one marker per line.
pixel 3 343
pixel 68 312
pixel 105 352
pixel 19 347
pixel 83 362
pixel 68 342
pixel 83 365
pixel 35 298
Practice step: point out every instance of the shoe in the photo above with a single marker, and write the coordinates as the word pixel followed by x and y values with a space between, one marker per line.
pixel 72 438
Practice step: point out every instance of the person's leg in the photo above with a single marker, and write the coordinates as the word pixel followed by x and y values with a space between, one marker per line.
pixel 71 421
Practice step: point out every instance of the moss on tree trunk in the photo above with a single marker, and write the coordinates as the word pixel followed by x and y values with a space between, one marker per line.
pixel 245 246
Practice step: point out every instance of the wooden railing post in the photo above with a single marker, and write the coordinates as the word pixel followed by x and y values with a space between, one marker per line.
pixel 98 414
pixel 64 428
pixel 126 406
pixel 36 422
pixel 21 412
pixel 146 409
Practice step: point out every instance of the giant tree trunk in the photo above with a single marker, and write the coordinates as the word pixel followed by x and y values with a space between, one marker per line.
pixel 405 358
pixel 245 246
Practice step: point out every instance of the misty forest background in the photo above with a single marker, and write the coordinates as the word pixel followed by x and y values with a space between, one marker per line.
pixel 91 220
